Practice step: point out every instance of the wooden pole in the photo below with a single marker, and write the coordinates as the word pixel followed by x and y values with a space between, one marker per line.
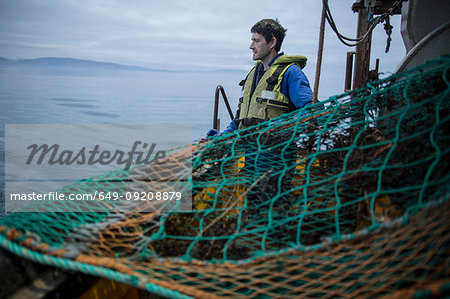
pixel 319 56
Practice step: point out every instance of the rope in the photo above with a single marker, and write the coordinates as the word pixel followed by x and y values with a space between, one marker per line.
pixel 383 18
pixel 88 269
pixel 319 56
pixel 343 38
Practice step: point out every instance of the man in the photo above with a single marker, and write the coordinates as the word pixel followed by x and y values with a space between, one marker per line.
pixel 275 85
pixel 263 97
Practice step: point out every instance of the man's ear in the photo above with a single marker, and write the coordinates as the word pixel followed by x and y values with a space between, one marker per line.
pixel 273 42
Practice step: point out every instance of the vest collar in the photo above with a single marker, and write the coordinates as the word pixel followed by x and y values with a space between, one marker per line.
pixel 275 58
pixel 272 61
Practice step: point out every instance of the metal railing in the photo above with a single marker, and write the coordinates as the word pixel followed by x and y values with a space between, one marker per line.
pixel 216 120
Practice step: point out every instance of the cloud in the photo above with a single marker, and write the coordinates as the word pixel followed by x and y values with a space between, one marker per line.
pixel 196 34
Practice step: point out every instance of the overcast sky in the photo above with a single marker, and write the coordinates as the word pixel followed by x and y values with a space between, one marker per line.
pixel 182 35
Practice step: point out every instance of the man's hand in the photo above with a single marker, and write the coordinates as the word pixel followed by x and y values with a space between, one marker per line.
pixel 213 132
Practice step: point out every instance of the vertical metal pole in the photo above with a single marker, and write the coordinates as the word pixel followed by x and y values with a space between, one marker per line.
pixel 216 108
pixel 348 71
pixel 362 59
pixel 216 120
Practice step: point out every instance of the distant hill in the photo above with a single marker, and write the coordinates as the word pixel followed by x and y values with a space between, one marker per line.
pixel 73 63
pixel 4 61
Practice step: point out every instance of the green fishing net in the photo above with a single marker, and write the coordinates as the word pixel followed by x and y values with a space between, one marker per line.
pixel 346 197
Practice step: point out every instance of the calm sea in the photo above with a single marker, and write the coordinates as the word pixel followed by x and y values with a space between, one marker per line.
pixel 112 97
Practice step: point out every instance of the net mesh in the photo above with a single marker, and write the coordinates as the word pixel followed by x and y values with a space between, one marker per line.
pixel 348 197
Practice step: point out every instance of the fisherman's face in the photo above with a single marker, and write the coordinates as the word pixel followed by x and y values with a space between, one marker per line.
pixel 261 49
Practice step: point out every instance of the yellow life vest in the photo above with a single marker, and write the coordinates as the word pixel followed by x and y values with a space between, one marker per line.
pixel 266 101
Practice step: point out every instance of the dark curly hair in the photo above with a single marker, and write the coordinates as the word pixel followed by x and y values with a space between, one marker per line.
pixel 270 28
